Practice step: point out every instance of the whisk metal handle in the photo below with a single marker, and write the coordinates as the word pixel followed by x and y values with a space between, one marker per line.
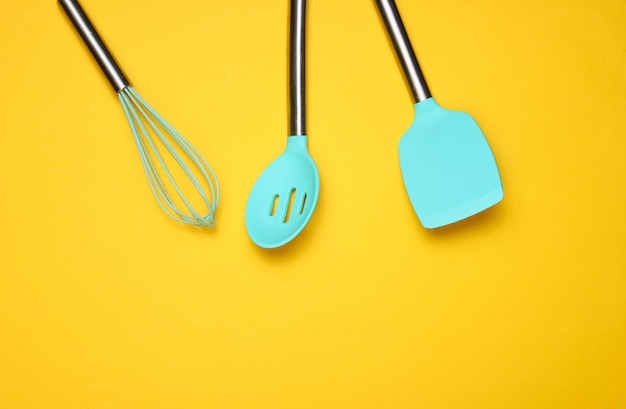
pixel 96 45
pixel 297 88
pixel 402 45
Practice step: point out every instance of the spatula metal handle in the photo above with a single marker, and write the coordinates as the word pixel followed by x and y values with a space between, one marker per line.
pixel 400 39
pixel 96 45
pixel 297 87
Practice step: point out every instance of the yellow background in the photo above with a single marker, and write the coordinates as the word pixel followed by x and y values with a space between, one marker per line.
pixel 105 303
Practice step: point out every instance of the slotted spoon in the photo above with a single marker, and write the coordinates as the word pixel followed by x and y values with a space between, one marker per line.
pixel 284 197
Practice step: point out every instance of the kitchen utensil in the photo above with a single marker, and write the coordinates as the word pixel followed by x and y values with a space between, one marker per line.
pixel 153 135
pixel 448 168
pixel 284 196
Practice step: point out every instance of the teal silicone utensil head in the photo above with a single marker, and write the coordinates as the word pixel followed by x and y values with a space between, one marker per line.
pixel 192 196
pixel 284 197
pixel 448 168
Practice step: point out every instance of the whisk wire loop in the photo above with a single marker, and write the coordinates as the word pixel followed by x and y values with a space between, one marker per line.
pixel 142 116
pixel 158 156
pixel 157 186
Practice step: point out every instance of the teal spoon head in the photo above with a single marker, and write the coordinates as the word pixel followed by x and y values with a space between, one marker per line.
pixel 448 168
pixel 284 197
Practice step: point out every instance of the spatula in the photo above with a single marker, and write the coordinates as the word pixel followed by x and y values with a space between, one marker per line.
pixel 448 169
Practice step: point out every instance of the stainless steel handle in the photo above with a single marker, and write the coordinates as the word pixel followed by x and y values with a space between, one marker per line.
pixel 96 45
pixel 404 50
pixel 297 86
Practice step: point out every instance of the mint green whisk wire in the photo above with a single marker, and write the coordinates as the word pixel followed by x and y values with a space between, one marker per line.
pixel 138 113
pixel 146 124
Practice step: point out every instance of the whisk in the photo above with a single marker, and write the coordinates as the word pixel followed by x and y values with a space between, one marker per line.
pixel 152 135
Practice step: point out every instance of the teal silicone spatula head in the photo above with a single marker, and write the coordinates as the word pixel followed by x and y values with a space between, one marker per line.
pixel 285 195
pixel 448 169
